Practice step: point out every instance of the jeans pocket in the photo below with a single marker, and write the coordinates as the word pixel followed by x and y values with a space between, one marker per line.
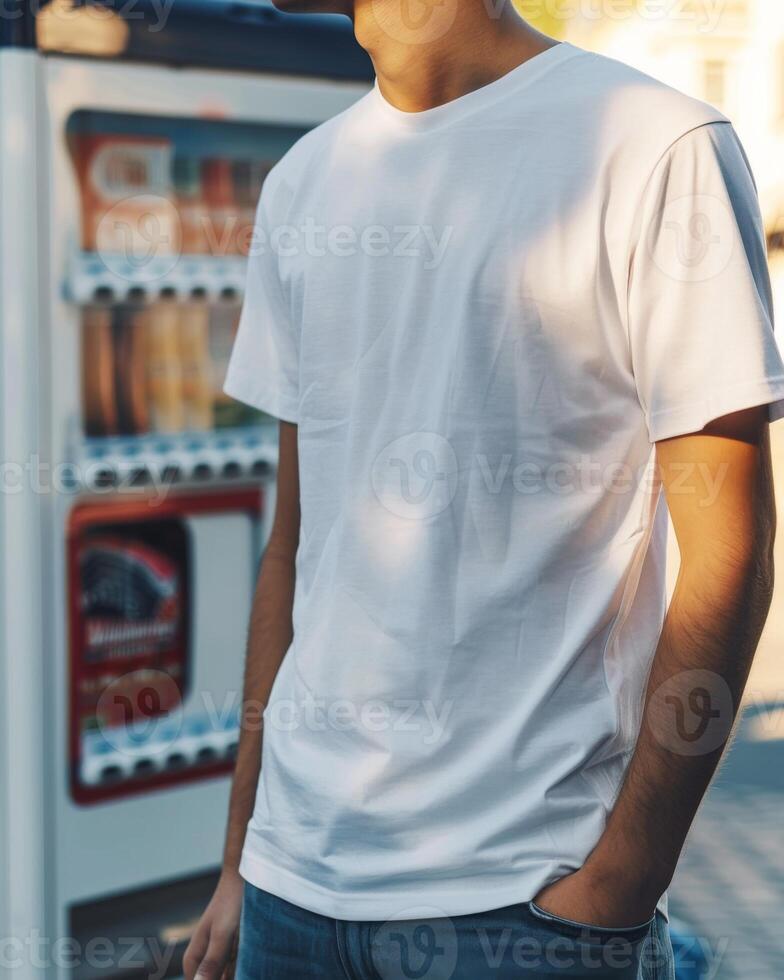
pixel 578 930
pixel 590 950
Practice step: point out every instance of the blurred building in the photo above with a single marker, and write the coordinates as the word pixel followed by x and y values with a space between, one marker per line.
pixel 728 52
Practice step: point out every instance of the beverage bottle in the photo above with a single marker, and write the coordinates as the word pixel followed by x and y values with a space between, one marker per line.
pixel 129 331
pixel 163 365
pixel 186 172
pixel 194 342
pixel 99 401
pixel 222 220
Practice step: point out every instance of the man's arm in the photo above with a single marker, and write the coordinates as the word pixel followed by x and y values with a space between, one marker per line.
pixel 212 945
pixel 719 491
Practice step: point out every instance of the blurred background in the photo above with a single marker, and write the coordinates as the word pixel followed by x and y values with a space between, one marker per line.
pixel 135 136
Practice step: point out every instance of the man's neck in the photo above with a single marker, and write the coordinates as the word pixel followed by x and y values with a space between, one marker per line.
pixel 428 52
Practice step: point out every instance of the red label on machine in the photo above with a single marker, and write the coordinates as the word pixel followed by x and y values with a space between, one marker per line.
pixel 136 725
pixel 133 624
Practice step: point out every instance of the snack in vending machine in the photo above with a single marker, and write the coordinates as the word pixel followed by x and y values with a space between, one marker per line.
pixel 127 195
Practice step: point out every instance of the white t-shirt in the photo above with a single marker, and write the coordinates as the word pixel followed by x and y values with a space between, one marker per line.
pixel 481 317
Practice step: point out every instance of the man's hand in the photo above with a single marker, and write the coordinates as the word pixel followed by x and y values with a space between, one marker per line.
pixel 212 950
pixel 596 900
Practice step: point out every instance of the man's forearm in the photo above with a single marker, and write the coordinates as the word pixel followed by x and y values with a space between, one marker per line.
pixel 695 687
pixel 719 489
pixel 269 637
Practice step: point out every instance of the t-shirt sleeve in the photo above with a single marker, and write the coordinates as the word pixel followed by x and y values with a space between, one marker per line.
pixel 700 311
pixel 264 366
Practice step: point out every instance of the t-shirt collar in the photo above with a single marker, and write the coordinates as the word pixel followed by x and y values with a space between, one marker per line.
pixel 512 81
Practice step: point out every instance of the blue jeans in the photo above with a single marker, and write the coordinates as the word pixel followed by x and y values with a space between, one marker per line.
pixel 280 941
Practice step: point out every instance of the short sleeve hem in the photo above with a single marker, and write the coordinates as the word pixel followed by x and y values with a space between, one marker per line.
pixel 253 391
pixel 695 416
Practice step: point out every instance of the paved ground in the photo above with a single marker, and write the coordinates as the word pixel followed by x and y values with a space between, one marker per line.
pixel 730 883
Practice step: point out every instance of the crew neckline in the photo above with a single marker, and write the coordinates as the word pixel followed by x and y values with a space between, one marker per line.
pixel 514 80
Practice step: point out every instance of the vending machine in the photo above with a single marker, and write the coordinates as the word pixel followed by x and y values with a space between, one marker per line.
pixel 135 137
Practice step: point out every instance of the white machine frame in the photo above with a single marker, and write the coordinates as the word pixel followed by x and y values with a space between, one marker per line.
pixel 57 853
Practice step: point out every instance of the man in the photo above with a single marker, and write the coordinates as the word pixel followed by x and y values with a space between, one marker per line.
pixel 507 308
